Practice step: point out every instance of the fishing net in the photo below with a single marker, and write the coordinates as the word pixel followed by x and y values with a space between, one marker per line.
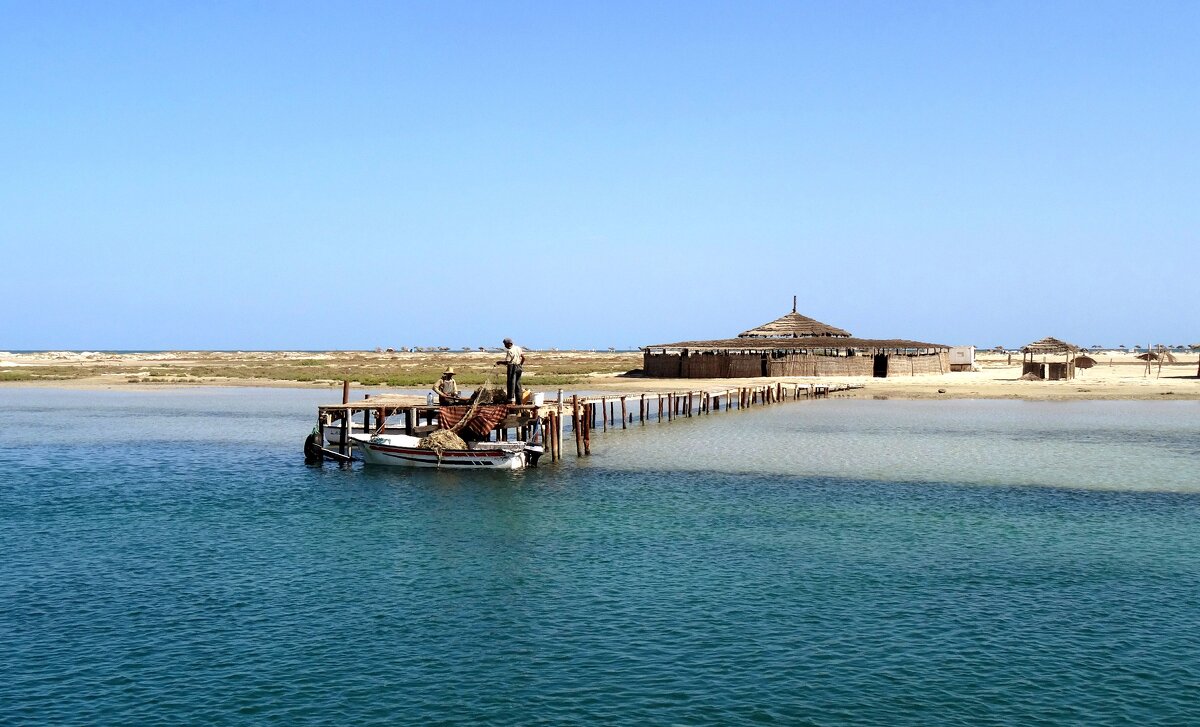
pixel 491 395
pixel 441 440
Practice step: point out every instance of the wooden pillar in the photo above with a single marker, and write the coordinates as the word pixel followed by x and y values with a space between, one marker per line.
pixel 344 444
pixel 604 412
pixel 555 436
pixel 575 425
pixel 623 412
pixel 642 411
pixel 558 423
pixel 587 431
pixel 612 413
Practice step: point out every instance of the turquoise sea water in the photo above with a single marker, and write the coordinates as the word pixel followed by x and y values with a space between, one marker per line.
pixel 167 558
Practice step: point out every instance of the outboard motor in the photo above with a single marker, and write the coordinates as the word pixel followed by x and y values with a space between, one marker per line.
pixel 533 452
pixel 313 451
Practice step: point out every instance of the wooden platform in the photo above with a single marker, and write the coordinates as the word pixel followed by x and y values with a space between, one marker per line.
pixel 548 421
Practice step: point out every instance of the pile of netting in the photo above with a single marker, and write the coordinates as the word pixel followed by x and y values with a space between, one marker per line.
pixel 491 395
pixel 441 440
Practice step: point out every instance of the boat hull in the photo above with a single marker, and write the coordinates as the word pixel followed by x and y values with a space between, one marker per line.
pixel 333 433
pixel 401 451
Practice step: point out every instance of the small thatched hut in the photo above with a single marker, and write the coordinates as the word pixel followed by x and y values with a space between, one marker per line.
pixel 1049 370
pixel 794 345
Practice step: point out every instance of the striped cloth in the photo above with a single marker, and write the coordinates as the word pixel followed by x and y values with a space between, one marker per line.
pixel 487 416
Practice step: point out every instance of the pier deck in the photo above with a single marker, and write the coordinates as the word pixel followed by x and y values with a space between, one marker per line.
pixel 582 413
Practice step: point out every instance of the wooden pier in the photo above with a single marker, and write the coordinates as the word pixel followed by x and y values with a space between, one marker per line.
pixel 546 423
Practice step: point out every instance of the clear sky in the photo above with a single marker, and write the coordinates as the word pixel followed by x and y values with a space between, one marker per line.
pixel 350 175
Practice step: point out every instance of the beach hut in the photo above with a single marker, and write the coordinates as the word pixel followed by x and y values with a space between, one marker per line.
pixel 1047 369
pixel 794 345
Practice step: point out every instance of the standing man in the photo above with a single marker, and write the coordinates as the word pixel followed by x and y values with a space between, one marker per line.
pixel 514 359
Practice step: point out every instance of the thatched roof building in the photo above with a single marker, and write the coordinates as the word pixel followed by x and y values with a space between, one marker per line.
pixel 794 345
pixel 1049 345
pixel 1044 369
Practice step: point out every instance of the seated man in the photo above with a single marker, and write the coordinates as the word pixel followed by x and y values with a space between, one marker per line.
pixel 447 390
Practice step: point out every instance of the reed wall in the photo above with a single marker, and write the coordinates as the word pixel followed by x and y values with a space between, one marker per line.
pixel 901 365
pixel 661 365
pixel 748 365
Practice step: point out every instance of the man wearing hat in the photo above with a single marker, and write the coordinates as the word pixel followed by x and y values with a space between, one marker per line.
pixel 447 389
pixel 514 359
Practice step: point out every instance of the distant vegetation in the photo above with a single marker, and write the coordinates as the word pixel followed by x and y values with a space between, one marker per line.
pixel 406 371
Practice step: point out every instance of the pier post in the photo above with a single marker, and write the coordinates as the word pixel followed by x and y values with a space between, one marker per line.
pixel 558 423
pixel 587 431
pixel 575 425
pixel 344 445
pixel 623 417
pixel 604 412
pixel 555 436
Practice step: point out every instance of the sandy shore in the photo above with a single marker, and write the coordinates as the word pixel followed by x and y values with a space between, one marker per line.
pixel 1117 375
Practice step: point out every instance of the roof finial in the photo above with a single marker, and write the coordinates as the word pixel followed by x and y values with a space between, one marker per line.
pixel 793 304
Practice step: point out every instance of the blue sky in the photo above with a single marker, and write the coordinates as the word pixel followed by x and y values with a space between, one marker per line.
pixel 353 175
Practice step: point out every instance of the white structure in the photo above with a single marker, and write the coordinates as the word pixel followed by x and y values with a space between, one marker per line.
pixel 962 358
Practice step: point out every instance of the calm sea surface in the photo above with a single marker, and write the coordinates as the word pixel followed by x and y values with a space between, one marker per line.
pixel 167 558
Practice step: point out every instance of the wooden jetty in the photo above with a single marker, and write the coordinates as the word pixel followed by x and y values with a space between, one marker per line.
pixel 548 422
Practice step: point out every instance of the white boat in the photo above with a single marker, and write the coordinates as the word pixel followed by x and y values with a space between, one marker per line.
pixel 333 432
pixel 402 450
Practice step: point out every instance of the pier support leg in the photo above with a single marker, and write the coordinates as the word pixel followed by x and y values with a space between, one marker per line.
pixel 576 424
pixel 344 445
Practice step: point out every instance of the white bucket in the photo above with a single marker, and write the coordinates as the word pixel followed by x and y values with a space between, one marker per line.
pixel 539 398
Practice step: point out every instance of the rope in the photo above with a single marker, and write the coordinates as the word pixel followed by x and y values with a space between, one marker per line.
pixel 447 438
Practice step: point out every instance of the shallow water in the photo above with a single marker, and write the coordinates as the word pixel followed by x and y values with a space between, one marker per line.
pixel 170 560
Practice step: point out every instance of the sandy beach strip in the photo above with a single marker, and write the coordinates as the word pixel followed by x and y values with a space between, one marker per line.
pixel 1117 374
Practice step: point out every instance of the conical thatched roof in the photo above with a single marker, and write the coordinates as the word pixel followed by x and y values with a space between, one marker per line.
pixel 794 325
pixel 1050 345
